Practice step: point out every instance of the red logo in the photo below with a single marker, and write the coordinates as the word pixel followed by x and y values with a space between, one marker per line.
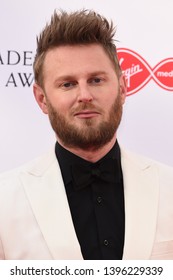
pixel 138 72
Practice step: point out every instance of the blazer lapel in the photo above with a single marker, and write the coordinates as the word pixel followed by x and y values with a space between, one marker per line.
pixel 141 206
pixel 45 190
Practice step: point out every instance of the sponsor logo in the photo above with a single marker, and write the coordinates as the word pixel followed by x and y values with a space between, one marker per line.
pixel 138 72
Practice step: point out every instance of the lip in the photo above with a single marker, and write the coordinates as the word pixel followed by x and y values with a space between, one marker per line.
pixel 86 114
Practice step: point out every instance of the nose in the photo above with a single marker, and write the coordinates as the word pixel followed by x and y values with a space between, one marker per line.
pixel 84 94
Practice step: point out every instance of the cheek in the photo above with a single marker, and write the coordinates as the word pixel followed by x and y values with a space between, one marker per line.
pixel 64 107
pixel 109 100
pixel 60 102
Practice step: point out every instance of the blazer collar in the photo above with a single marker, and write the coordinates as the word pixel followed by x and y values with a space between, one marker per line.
pixel 141 190
pixel 45 190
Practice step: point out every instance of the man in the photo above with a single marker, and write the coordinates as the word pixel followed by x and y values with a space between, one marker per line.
pixel 88 198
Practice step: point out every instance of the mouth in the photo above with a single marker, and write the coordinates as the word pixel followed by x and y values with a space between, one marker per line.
pixel 86 114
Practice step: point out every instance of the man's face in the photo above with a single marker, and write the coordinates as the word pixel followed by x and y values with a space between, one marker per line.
pixel 82 95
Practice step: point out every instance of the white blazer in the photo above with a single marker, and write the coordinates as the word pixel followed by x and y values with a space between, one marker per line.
pixel 35 219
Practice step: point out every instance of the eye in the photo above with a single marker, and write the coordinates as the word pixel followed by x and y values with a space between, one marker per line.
pixel 68 85
pixel 95 80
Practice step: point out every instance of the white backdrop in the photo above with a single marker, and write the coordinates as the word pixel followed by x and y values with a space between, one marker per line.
pixel 145 27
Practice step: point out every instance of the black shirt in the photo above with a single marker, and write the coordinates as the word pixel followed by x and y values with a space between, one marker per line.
pixel 97 209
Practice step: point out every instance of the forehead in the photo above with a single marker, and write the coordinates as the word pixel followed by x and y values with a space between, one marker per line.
pixel 85 56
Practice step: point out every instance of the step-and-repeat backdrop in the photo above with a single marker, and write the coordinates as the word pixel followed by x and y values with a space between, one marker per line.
pixel 145 48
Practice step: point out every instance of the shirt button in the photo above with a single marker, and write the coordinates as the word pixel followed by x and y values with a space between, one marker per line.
pixel 99 199
pixel 105 242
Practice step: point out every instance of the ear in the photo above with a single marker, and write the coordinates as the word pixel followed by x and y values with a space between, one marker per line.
pixel 40 98
pixel 123 87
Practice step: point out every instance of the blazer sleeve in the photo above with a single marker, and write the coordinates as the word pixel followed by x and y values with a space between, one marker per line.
pixel 2 255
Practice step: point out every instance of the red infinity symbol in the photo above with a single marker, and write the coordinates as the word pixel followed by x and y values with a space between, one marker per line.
pixel 138 72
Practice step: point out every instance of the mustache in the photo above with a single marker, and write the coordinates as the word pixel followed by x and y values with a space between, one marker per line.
pixel 86 106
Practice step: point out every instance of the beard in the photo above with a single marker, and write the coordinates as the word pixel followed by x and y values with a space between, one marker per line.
pixel 89 135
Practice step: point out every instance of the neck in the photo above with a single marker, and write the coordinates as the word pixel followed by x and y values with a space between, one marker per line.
pixel 91 154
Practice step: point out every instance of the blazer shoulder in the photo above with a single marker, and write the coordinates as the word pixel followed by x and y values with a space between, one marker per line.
pixel 143 161
pixel 36 167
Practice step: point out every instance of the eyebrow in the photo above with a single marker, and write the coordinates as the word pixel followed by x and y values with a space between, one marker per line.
pixel 96 73
pixel 72 77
